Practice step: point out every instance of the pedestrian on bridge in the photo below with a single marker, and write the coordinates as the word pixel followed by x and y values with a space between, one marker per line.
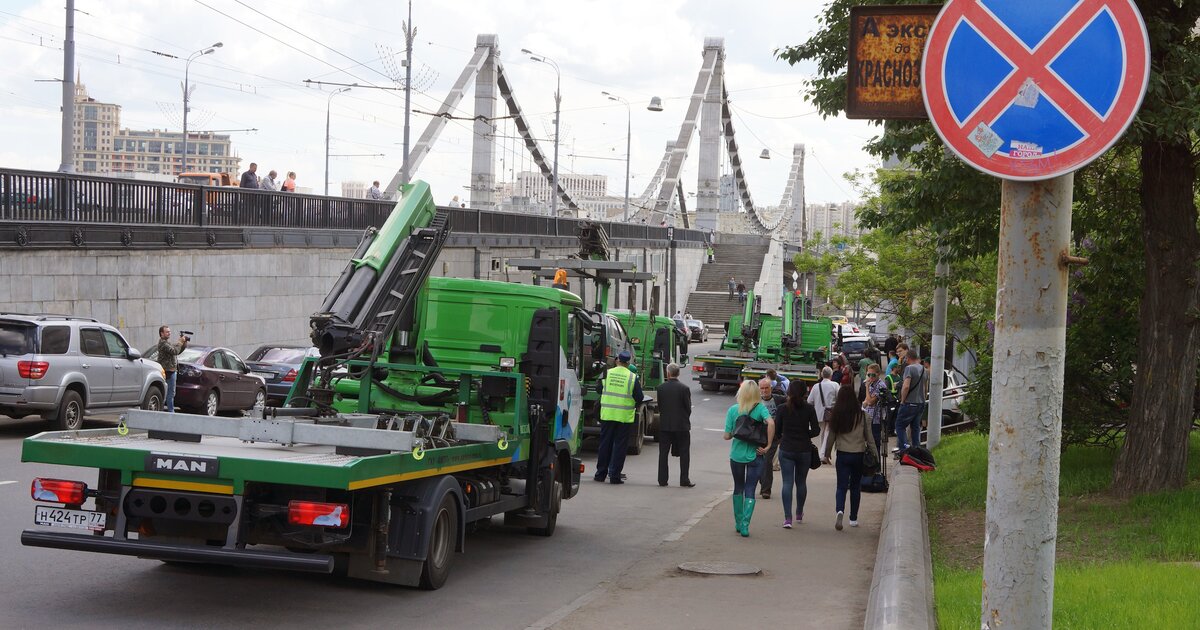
pixel 851 439
pixel 732 287
pixel 250 177
pixel 674 426
pixel 620 394
pixel 268 182
pixel 796 424
pixel 772 399
pixel 374 193
pixel 289 184
pixel 746 459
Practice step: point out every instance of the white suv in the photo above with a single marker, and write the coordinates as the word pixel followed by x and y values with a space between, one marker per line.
pixel 59 367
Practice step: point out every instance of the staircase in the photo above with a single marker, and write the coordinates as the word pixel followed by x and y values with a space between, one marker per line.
pixel 709 302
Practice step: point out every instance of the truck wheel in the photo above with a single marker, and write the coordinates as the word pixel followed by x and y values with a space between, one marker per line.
pixel 552 521
pixel 638 434
pixel 656 423
pixel 153 400
pixel 70 412
pixel 709 387
pixel 436 567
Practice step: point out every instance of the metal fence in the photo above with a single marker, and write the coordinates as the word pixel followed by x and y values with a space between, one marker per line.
pixel 47 197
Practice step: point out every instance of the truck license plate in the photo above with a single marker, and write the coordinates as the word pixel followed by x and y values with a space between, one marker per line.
pixel 63 517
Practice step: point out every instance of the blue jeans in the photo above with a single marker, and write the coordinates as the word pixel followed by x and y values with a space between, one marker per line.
pixel 745 476
pixel 614 439
pixel 849 477
pixel 169 402
pixel 794 469
pixel 909 417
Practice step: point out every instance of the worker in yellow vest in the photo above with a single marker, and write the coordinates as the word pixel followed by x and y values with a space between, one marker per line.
pixel 620 394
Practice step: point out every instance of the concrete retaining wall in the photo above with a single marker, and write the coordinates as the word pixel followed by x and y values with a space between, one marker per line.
pixel 902 585
pixel 244 298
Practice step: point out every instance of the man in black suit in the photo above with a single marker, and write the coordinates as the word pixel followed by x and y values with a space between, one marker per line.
pixel 674 426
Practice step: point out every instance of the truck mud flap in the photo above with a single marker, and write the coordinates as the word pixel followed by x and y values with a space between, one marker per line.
pixel 249 558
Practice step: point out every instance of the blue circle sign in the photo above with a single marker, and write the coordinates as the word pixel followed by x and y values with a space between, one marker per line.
pixel 1034 89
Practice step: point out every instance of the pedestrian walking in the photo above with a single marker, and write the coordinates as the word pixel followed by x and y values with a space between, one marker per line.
pixel 796 425
pixel 674 426
pixel 821 397
pixel 620 394
pixel 250 177
pixel 772 401
pixel 710 253
pixel 746 459
pixel 889 346
pixel 289 184
pixel 780 381
pixel 912 401
pixel 851 439
pixel 168 354
pixel 732 288
pixel 268 182
pixel 374 192
pixel 741 289
pixel 836 375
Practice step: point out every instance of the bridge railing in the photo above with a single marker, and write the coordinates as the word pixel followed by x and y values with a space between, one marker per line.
pixel 39 196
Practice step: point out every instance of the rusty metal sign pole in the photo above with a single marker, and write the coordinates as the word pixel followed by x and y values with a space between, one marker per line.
pixel 1027 398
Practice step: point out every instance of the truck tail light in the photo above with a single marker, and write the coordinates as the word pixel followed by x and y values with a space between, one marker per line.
pixel 318 514
pixel 32 369
pixel 699 367
pixel 290 377
pixel 58 491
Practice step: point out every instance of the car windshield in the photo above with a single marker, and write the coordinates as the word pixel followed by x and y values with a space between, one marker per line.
pixel 278 355
pixel 695 322
pixel 16 338
pixel 854 346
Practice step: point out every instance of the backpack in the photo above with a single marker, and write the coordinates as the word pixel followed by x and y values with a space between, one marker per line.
pixel 918 457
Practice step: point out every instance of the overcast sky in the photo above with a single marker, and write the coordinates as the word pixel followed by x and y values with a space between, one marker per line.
pixel 636 49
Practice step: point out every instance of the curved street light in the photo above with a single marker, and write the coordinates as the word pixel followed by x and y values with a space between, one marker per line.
pixel 328 104
pixel 557 110
pixel 187 96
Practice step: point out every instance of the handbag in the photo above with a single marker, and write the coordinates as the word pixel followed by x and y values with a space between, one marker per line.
pixel 814 457
pixel 750 430
pixel 870 457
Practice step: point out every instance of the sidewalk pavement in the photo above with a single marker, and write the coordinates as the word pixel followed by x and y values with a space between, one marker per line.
pixel 813 576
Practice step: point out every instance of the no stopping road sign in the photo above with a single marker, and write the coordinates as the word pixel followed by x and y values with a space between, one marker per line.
pixel 1034 89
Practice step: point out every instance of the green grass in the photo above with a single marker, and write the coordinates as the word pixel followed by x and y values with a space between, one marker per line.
pixel 1111 570
pixel 1087 597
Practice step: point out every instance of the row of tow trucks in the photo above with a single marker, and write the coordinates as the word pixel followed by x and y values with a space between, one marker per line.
pixel 795 344
pixel 434 404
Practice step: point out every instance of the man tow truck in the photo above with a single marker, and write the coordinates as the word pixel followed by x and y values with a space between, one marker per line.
pixel 419 417
pixel 604 336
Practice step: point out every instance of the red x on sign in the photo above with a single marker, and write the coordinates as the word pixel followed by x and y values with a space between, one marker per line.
pixel 1033 89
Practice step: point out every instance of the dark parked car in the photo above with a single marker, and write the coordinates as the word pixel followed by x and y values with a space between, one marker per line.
pixel 211 380
pixel 278 366
pixel 697 330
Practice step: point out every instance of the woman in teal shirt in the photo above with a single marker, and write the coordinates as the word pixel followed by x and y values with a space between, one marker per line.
pixel 746 459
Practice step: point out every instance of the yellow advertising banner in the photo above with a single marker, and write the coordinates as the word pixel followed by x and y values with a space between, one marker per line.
pixel 884 74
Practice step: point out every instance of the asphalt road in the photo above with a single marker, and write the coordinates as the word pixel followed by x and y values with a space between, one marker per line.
pixel 505 579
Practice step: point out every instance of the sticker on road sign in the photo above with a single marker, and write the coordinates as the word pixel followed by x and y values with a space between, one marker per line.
pixel 1055 82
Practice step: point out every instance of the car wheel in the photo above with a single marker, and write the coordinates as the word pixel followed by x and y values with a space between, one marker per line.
pixel 212 403
pixel 260 399
pixel 153 400
pixel 70 412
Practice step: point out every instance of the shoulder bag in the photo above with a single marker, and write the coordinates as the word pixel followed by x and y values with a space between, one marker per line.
pixel 827 414
pixel 870 457
pixel 748 429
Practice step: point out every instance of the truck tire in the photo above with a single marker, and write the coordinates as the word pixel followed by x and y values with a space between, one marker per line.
pixel 638 435
pixel 552 521
pixel 70 412
pixel 444 532
pixel 709 387
pixel 153 400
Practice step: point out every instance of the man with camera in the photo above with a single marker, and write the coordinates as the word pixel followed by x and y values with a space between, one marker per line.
pixel 167 355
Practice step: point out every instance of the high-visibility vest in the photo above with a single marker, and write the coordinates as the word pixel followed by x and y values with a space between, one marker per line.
pixel 616 400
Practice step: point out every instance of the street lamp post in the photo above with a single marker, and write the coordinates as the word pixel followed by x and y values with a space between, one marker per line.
pixel 628 144
pixel 187 96
pixel 557 110
pixel 328 104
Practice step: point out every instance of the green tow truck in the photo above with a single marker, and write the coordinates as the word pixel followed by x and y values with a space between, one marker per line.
pixel 795 345
pixel 738 349
pixel 435 403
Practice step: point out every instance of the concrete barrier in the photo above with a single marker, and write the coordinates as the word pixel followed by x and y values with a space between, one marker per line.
pixel 902 585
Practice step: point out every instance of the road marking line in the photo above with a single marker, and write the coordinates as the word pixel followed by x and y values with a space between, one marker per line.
pixel 706 399
pixel 5 483
pixel 708 429
pixel 697 517
pixel 565 611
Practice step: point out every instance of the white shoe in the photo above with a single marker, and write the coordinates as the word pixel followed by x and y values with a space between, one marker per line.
pixel 838 525
pixel 853 523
